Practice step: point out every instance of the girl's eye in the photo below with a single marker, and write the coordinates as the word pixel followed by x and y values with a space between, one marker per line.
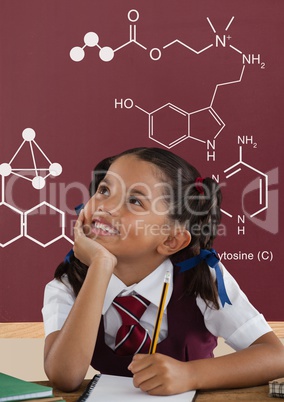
pixel 103 190
pixel 134 200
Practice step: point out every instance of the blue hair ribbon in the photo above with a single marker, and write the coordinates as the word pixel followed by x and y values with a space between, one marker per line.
pixel 211 258
pixel 71 252
pixel 69 255
pixel 78 208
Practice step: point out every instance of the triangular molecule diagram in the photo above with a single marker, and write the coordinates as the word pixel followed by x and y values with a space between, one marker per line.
pixel 36 173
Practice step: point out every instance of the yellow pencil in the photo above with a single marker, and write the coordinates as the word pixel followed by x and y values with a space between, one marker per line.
pixel 160 312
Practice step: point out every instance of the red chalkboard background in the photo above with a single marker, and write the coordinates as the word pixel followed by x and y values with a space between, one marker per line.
pixel 196 68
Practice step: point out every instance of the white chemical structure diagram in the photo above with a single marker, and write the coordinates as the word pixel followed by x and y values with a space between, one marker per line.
pixel 262 182
pixel 182 122
pixel 259 184
pixel 106 53
pixel 38 182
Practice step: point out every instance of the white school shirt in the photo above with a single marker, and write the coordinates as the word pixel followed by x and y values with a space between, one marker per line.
pixel 240 324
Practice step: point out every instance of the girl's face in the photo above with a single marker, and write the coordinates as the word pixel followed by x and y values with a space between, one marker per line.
pixel 128 214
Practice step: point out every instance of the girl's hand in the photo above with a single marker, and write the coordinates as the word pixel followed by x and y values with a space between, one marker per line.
pixel 159 374
pixel 88 250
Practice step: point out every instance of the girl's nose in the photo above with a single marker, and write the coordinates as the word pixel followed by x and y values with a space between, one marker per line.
pixel 102 209
pixel 111 206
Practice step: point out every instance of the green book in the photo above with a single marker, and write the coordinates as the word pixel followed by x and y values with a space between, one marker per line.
pixel 14 389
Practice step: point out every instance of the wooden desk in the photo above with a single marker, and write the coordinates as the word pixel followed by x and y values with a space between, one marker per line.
pixel 243 394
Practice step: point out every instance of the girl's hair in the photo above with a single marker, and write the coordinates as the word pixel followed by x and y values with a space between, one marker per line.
pixel 194 204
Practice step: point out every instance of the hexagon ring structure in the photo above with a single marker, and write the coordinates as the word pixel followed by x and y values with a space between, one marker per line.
pixel 18 236
pixel 33 238
pixel 259 184
pixel 168 125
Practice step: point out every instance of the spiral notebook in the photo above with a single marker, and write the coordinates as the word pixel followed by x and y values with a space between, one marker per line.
pixel 105 387
pixel 276 388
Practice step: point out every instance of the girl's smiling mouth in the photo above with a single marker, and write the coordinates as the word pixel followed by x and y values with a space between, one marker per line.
pixel 102 228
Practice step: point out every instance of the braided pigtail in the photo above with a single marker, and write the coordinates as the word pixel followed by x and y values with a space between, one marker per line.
pixel 204 199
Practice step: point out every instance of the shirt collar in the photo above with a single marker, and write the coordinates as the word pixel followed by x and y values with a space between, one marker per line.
pixel 150 287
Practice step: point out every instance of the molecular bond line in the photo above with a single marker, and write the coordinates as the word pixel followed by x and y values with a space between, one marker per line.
pixel 38 182
pixel 106 53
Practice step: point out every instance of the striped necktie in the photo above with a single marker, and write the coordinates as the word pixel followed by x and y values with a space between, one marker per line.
pixel 131 337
